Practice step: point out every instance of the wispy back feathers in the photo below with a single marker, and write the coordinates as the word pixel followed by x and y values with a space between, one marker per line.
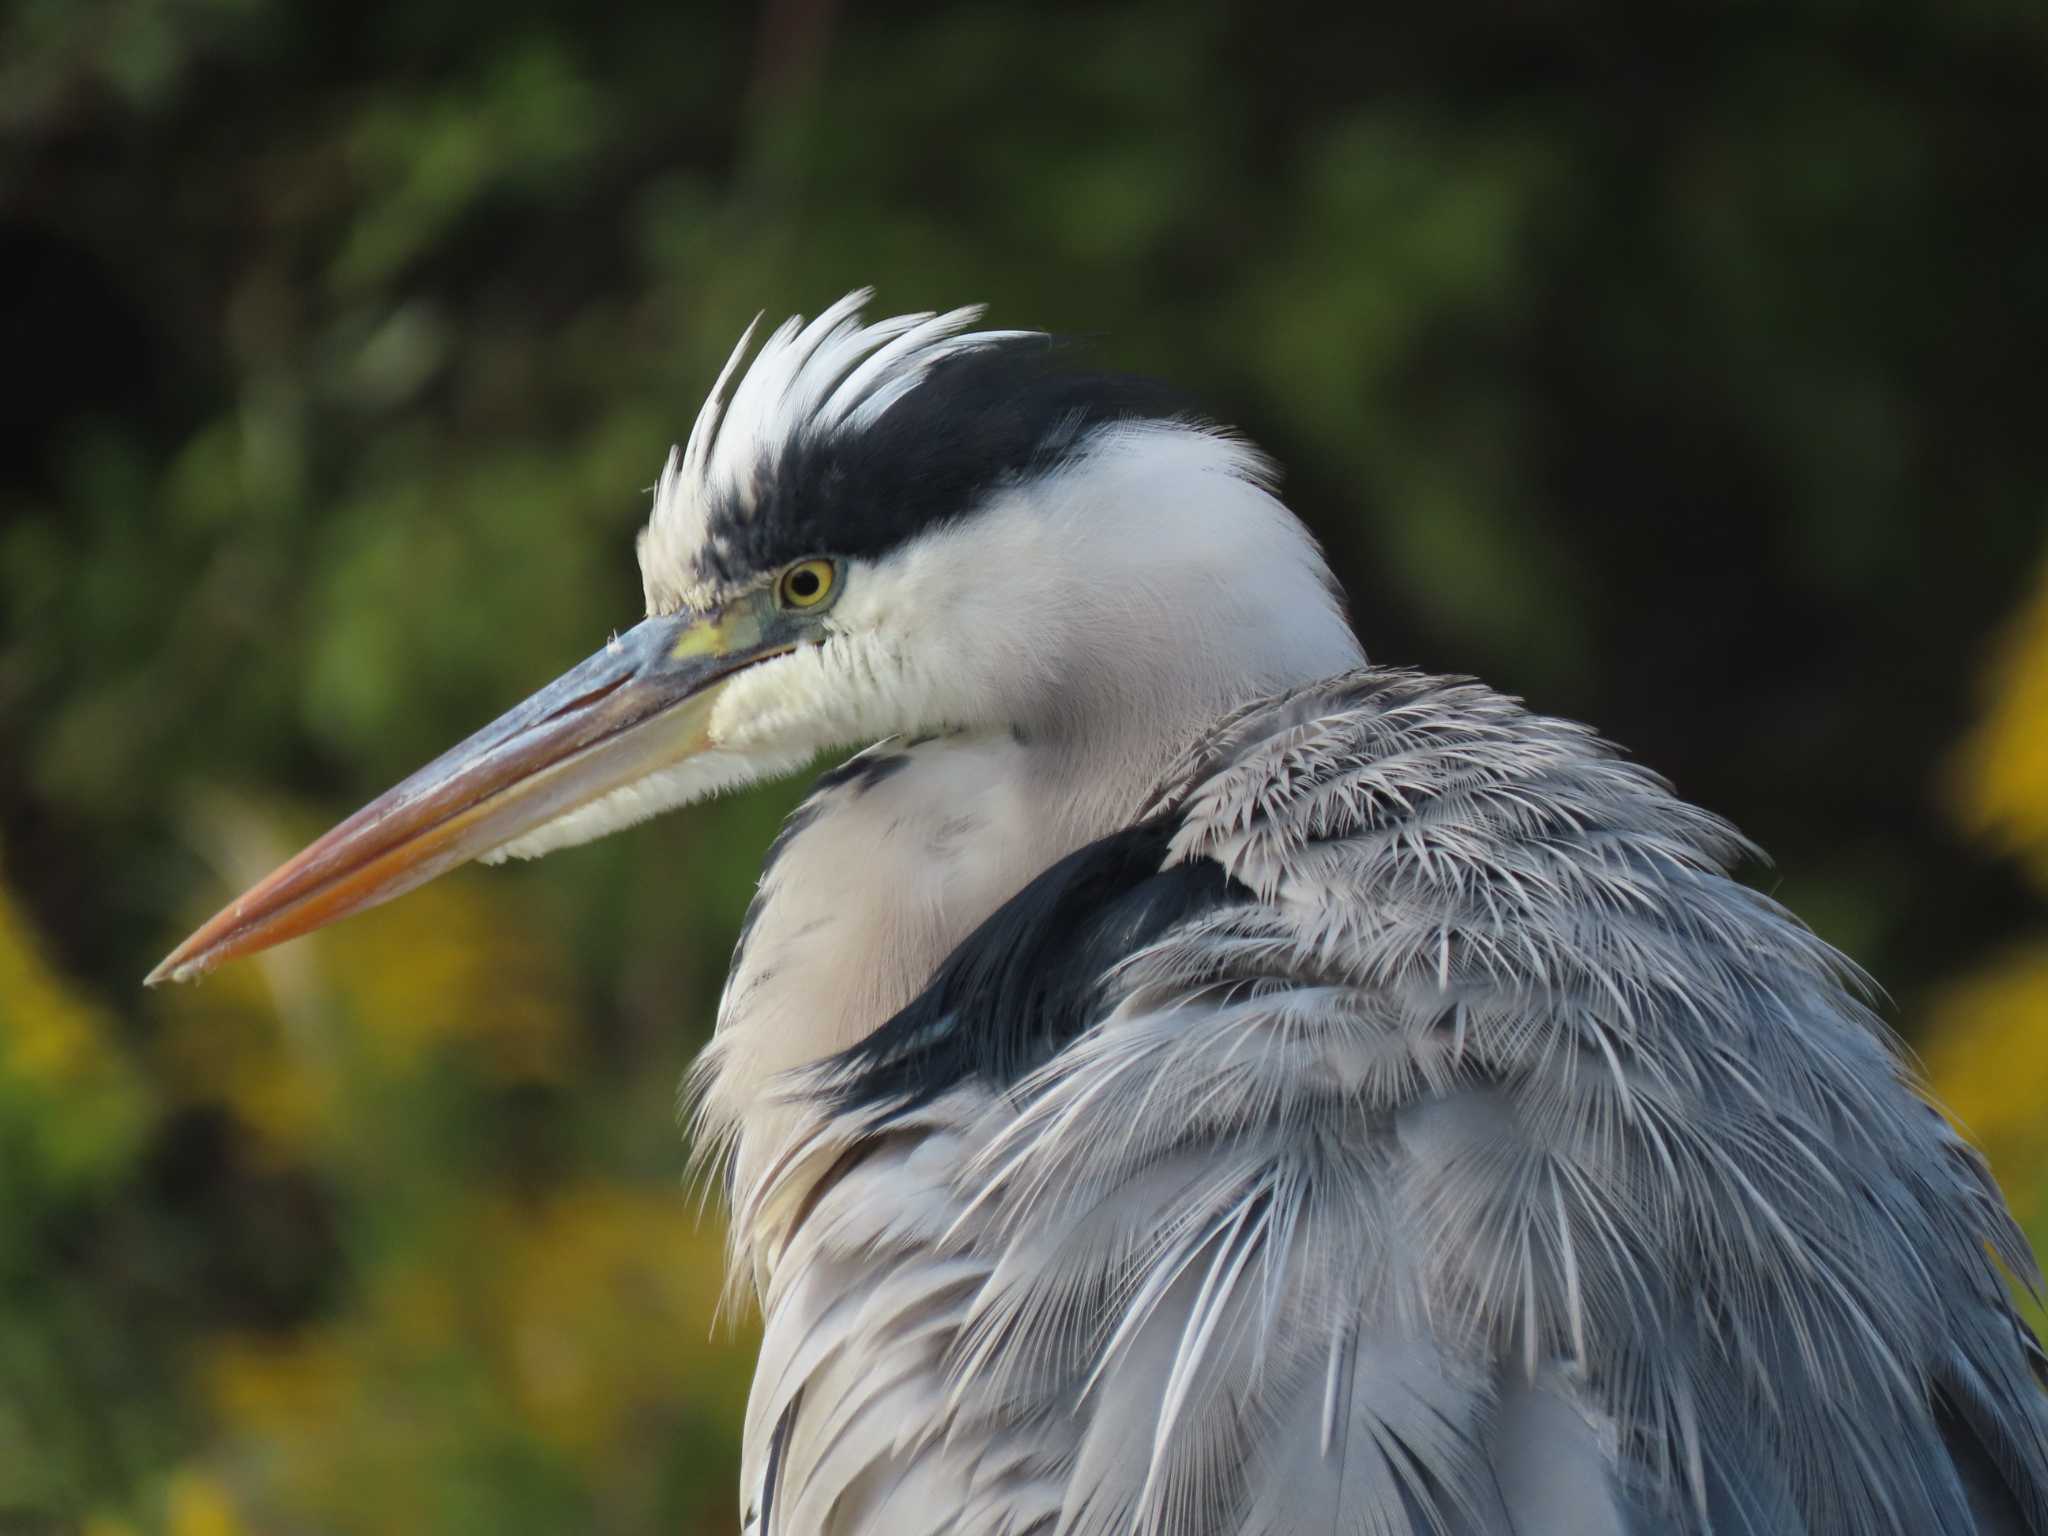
pixel 1499 1167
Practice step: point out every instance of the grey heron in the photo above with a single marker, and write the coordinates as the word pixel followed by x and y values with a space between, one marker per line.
pixel 1177 1077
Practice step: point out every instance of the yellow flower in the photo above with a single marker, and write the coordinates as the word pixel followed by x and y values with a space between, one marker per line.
pixel 74 1088
pixel 1988 1056
pixel 2002 779
pixel 574 1330
pixel 299 1039
pixel 53 1040
pixel 475 981
pixel 604 1299
pixel 197 1505
pixel 309 1382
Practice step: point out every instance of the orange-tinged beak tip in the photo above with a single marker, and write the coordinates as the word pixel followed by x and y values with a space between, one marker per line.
pixel 185 963
pixel 640 704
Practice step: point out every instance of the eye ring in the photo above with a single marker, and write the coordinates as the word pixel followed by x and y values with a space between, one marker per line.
pixel 806 585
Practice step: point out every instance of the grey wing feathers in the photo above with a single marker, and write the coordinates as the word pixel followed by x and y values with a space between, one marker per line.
pixel 1493 1166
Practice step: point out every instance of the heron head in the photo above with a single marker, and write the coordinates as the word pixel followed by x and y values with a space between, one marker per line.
pixel 904 528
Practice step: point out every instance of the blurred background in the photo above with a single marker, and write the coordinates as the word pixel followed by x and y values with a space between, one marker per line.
pixel 1679 369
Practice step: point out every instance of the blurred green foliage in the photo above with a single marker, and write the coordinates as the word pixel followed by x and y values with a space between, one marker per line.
pixel 1678 367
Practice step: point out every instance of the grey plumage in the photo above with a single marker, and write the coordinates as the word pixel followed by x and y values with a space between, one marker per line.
pixel 1181 1081
pixel 1499 1166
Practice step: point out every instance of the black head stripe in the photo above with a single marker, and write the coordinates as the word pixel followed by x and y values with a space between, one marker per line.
pixel 975 421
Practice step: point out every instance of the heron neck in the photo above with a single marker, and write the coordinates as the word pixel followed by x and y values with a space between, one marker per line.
pixel 895 860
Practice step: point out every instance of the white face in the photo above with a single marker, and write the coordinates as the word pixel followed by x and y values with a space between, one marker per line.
pixel 1121 571
pixel 1154 573
pixel 1129 578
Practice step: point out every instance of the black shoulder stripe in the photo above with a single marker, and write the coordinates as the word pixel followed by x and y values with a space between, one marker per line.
pixel 1030 978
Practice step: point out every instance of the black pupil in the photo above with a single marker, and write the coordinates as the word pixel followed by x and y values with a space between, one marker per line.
pixel 803 584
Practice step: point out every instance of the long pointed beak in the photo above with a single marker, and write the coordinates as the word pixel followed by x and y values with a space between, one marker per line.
pixel 642 703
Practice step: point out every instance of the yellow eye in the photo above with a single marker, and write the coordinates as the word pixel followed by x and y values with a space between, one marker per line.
pixel 805 584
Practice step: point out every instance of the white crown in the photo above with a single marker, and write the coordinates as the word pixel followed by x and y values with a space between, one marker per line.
pixel 831 375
